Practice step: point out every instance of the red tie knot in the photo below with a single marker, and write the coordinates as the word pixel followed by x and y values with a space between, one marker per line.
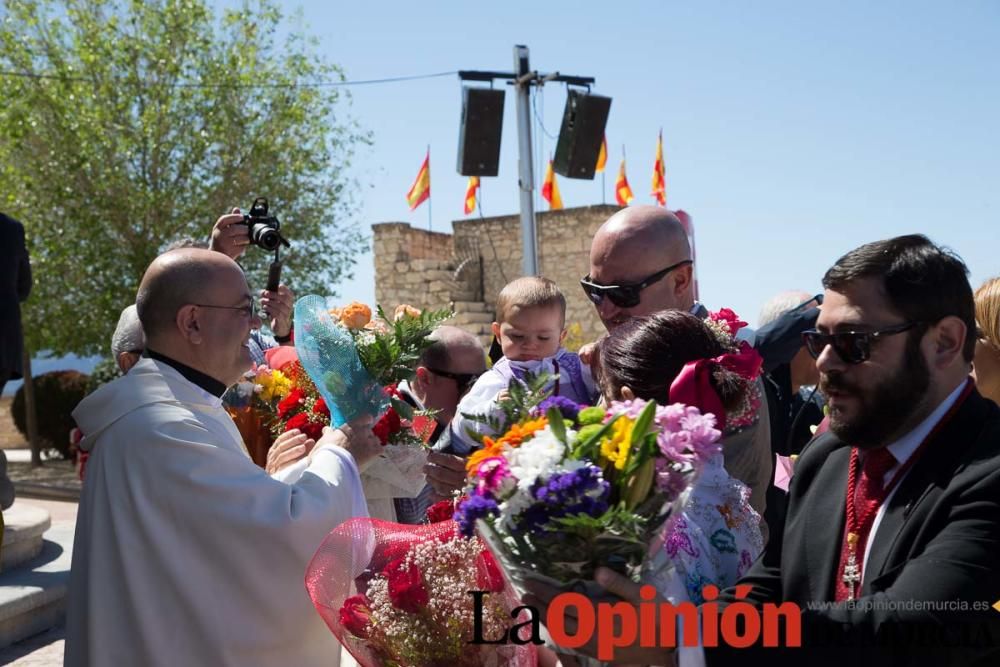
pixel 877 463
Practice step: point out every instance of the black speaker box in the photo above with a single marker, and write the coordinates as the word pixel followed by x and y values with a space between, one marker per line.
pixel 479 136
pixel 581 134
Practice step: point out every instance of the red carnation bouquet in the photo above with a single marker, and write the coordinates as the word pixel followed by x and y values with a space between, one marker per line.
pixel 400 595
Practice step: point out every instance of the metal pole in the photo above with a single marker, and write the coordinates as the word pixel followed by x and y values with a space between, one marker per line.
pixel 29 405
pixel 430 226
pixel 526 178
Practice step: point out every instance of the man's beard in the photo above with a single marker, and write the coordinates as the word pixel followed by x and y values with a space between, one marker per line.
pixel 884 408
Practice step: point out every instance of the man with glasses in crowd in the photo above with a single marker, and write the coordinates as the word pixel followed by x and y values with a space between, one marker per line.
pixel 185 551
pixel 445 372
pixel 640 263
pixel 900 501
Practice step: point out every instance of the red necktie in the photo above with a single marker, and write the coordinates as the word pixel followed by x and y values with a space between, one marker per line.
pixel 869 492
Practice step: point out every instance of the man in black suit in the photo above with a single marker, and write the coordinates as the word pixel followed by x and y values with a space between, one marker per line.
pixel 891 545
pixel 894 345
pixel 15 284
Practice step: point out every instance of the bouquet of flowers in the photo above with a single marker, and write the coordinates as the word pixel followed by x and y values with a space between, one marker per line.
pixel 352 365
pixel 400 595
pixel 566 489
pixel 252 403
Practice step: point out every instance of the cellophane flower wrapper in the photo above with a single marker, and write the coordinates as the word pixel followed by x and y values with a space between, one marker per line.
pixel 330 356
pixel 398 595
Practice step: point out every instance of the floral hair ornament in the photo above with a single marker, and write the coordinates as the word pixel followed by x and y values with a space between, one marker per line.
pixel 694 386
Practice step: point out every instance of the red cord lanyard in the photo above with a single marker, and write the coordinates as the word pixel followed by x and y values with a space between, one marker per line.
pixel 852 568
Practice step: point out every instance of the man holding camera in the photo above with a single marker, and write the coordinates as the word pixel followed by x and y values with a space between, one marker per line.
pixel 231 237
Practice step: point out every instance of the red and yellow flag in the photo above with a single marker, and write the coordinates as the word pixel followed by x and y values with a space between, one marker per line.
pixel 623 193
pixel 659 174
pixel 550 189
pixel 420 191
pixel 470 194
pixel 602 157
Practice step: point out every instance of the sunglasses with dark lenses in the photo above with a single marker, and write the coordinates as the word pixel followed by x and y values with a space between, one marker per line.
pixel 853 347
pixel 462 380
pixel 625 296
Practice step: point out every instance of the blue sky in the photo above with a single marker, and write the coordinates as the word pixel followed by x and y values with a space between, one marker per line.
pixel 793 131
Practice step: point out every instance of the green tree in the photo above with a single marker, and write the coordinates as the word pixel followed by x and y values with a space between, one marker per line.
pixel 128 125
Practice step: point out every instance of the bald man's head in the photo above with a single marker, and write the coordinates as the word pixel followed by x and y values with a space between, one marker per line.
pixel 196 308
pixel 176 278
pixel 634 244
pixel 642 232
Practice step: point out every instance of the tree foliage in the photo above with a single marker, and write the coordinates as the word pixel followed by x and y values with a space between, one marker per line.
pixel 128 125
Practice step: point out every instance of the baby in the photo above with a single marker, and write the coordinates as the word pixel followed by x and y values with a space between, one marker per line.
pixel 531 321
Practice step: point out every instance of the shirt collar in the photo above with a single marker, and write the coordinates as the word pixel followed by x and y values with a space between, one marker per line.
pixel 192 375
pixel 905 447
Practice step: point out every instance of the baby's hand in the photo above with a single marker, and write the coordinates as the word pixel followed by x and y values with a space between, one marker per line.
pixel 587 353
pixel 503 396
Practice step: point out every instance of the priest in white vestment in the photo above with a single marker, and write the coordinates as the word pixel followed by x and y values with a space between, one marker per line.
pixel 187 553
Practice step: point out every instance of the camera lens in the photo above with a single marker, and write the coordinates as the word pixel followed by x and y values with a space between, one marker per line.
pixel 265 236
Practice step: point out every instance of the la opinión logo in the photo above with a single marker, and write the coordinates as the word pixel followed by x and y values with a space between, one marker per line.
pixel 654 625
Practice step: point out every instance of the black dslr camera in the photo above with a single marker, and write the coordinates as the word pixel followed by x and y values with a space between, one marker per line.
pixel 264 232
pixel 262 228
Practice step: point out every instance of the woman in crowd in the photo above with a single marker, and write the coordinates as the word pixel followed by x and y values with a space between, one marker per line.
pixel 987 360
pixel 717 536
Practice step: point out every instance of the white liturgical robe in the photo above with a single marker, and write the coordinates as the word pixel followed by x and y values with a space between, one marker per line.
pixel 187 553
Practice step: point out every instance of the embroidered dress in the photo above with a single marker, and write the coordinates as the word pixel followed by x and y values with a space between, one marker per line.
pixel 575 383
pixel 714 540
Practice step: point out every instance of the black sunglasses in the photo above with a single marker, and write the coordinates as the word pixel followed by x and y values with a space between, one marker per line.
pixel 625 296
pixel 462 380
pixel 854 347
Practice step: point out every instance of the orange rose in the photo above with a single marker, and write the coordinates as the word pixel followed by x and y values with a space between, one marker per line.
pixel 404 310
pixel 356 315
pixel 335 313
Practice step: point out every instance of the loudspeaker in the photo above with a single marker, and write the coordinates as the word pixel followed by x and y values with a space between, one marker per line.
pixel 581 134
pixel 479 136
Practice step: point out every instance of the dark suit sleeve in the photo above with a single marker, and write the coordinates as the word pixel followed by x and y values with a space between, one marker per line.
pixel 24 269
pixel 958 570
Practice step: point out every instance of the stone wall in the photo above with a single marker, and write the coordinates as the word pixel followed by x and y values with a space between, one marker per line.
pixel 468 269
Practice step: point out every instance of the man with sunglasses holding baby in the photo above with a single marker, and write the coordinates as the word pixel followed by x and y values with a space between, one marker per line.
pixel 640 263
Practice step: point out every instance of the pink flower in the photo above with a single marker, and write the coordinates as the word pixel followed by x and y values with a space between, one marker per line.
pixel 492 473
pixel 631 409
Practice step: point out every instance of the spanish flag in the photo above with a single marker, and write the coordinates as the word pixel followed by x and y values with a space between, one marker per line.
pixel 659 174
pixel 623 193
pixel 602 157
pixel 550 189
pixel 470 194
pixel 420 191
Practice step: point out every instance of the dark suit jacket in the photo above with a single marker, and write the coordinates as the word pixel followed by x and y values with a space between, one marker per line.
pixel 939 540
pixel 15 284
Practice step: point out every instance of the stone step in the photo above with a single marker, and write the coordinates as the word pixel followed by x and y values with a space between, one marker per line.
pixel 24 525
pixel 33 595
pixel 458 295
pixel 461 319
pixel 471 307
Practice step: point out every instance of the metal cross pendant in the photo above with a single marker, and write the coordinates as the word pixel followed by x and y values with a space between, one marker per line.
pixel 852 575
